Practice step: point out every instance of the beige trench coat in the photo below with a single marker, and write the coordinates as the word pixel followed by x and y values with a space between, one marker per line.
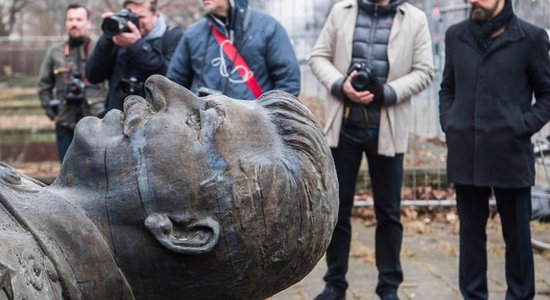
pixel 411 69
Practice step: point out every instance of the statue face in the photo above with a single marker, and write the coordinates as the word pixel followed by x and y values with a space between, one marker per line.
pixel 175 147
pixel 188 140
pixel 206 194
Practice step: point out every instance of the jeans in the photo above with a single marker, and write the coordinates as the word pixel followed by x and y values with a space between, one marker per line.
pixel 386 175
pixel 64 137
pixel 514 207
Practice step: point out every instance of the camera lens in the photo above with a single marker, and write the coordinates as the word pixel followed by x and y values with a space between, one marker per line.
pixel 112 26
pixel 360 82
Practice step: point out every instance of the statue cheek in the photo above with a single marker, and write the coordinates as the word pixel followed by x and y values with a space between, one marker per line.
pixel 184 234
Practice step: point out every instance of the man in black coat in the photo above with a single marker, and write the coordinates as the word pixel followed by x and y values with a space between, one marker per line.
pixel 495 62
pixel 126 59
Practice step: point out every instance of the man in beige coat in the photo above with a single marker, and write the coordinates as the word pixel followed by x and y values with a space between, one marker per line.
pixel 373 56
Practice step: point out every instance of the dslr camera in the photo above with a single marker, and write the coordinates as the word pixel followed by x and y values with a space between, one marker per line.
pixel 131 86
pixel 364 79
pixel 74 90
pixel 118 22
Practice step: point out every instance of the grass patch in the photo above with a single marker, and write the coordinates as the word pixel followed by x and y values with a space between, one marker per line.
pixel 19 81
pixel 22 137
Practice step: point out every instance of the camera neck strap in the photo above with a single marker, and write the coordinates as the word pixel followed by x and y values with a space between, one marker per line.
pixel 239 63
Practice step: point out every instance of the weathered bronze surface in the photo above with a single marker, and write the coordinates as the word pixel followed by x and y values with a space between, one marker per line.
pixel 179 197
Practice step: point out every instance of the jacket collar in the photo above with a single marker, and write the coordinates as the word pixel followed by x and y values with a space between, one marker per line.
pixel 236 25
pixel 348 24
pixel 512 33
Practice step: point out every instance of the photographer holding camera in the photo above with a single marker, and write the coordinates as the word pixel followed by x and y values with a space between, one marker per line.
pixel 136 43
pixel 64 91
pixel 373 56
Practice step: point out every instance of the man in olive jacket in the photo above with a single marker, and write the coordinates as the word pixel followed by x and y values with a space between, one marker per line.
pixel 64 90
pixel 495 62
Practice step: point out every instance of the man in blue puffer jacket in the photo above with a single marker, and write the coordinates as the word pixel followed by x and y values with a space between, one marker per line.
pixel 200 64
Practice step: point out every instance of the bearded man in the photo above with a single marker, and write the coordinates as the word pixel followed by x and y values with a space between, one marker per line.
pixel 495 63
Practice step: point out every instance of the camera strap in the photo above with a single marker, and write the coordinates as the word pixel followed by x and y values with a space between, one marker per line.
pixel 239 63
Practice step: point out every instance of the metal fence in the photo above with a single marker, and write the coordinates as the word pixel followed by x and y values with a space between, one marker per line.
pixel 21 57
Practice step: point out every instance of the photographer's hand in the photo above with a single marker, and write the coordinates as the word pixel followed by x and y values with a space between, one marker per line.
pixel 127 39
pixel 363 97
pixel 107 15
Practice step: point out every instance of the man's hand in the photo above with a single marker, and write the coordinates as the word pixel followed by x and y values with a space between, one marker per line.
pixel 364 97
pixel 127 39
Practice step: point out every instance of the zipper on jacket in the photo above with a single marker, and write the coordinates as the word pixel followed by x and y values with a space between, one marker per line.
pixel 226 32
pixel 372 33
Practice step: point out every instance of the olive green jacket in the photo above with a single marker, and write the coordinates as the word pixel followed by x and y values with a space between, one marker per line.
pixel 57 69
pixel 411 69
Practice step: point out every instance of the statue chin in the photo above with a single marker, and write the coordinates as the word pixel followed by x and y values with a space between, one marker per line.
pixel 210 198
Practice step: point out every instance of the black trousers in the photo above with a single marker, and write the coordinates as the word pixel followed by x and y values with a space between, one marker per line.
pixel 514 207
pixel 386 175
pixel 64 137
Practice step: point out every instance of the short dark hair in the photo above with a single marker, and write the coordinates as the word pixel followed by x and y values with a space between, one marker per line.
pixel 152 3
pixel 75 6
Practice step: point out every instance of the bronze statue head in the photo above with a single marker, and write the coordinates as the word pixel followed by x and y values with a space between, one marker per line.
pixel 211 198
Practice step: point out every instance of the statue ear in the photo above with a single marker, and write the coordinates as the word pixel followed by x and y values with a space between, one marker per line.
pixel 184 234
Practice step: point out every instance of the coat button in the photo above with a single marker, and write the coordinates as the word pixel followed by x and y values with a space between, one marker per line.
pixel 145 48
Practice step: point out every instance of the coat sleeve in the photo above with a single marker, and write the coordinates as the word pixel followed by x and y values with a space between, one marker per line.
pixel 322 56
pixel 101 61
pixel 283 67
pixel 180 70
pixel 155 59
pixel 447 91
pixel 46 83
pixel 422 68
pixel 538 72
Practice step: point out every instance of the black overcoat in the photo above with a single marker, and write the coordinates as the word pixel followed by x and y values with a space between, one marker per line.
pixel 487 109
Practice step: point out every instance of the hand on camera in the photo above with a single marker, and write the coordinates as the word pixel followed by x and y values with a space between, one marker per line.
pixel 361 97
pixel 362 78
pixel 107 15
pixel 127 39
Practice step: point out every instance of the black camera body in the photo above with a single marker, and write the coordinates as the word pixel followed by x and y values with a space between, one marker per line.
pixel 118 22
pixel 131 86
pixel 74 90
pixel 364 79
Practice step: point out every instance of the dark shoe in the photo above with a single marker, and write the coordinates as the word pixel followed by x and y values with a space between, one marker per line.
pixel 389 296
pixel 331 293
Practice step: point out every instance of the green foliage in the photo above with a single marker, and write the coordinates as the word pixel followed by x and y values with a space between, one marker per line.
pixel 19 81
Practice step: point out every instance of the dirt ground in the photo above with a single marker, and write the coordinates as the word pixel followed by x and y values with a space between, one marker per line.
pixel 429 260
